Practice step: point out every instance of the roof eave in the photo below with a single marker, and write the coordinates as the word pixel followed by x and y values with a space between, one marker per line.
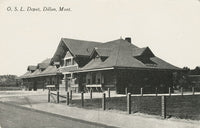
pixel 95 69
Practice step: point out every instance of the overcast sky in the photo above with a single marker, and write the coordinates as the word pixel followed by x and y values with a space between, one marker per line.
pixel 171 28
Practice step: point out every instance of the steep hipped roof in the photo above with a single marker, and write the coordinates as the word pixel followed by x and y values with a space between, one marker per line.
pixel 103 52
pixel 44 64
pixel 25 75
pixel 126 55
pixel 50 70
pixel 35 73
pixel 76 47
pixel 47 70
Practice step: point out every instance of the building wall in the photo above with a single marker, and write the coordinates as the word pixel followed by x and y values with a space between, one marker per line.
pixel 195 81
pixel 41 82
pixel 146 79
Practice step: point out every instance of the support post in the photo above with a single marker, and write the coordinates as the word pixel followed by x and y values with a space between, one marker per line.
pixel 91 93
pixel 169 91
pixel 57 96
pixel 182 91
pixel 70 94
pixel 49 93
pixel 82 99
pixel 126 91
pixel 108 92
pixel 104 101
pixel 163 106
pixel 193 91
pixel 141 91
pixel 156 91
pixel 67 98
pixel 129 103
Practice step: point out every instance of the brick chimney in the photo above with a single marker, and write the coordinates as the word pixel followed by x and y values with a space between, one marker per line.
pixel 128 39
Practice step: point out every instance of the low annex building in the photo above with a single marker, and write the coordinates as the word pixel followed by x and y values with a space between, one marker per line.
pixel 83 65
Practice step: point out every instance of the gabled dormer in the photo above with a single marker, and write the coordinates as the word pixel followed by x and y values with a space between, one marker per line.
pixel 144 55
pixel 31 68
pixel 69 60
pixel 100 53
pixel 42 66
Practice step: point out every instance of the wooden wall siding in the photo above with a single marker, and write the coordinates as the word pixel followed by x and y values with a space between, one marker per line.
pixel 195 81
pixel 41 82
pixel 97 78
pixel 109 79
pixel 68 55
pixel 149 80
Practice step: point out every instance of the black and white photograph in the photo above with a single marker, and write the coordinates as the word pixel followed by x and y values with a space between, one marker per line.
pixel 100 64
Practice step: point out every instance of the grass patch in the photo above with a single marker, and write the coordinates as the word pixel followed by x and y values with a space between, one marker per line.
pixel 184 107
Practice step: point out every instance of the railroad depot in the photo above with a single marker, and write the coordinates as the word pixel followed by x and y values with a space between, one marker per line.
pixel 80 65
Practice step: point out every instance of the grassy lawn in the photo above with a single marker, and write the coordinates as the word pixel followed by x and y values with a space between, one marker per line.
pixel 185 107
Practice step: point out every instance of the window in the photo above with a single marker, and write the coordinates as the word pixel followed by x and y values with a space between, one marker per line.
pixel 94 78
pixel 68 62
pixel 88 81
pixel 73 62
pixel 84 79
pixel 98 82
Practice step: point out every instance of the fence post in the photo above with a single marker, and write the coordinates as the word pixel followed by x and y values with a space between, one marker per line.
pixel 108 92
pixel 91 93
pixel 182 91
pixel 82 99
pixel 141 91
pixel 70 94
pixel 129 103
pixel 193 91
pixel 163 106
pixel 156 91
pixel 126 91
pixel 67 98
pixel 49 93
pixel 57 96
pixel 169 91
pixel 104 101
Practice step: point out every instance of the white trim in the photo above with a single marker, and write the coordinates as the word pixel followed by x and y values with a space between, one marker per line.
pixel 66 73
pixel 93 85
pixel 70 66
pixel 66 58
pixel 94 70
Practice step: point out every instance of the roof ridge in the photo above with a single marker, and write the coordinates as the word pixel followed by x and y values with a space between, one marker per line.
pixel 80 40
pixel 118 53
pixel 69 47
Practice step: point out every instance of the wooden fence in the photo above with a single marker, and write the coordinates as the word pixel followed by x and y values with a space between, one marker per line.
pixel 167 105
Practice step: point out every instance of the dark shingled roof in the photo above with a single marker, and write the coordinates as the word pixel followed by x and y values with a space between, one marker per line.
pixel 50 70
pixel 42 65
pixel 80 47
pixel 103 52
pixel 113 54
pixel 75 47
pixel 26 75
pixel 123 54
pixel 47 70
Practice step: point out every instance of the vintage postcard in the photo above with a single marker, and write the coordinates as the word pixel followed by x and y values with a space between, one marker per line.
pixel 99 63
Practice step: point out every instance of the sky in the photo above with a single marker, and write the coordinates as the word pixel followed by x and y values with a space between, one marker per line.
pixel 171 28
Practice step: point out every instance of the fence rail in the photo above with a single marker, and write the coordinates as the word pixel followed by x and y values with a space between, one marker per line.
pixel 181 105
